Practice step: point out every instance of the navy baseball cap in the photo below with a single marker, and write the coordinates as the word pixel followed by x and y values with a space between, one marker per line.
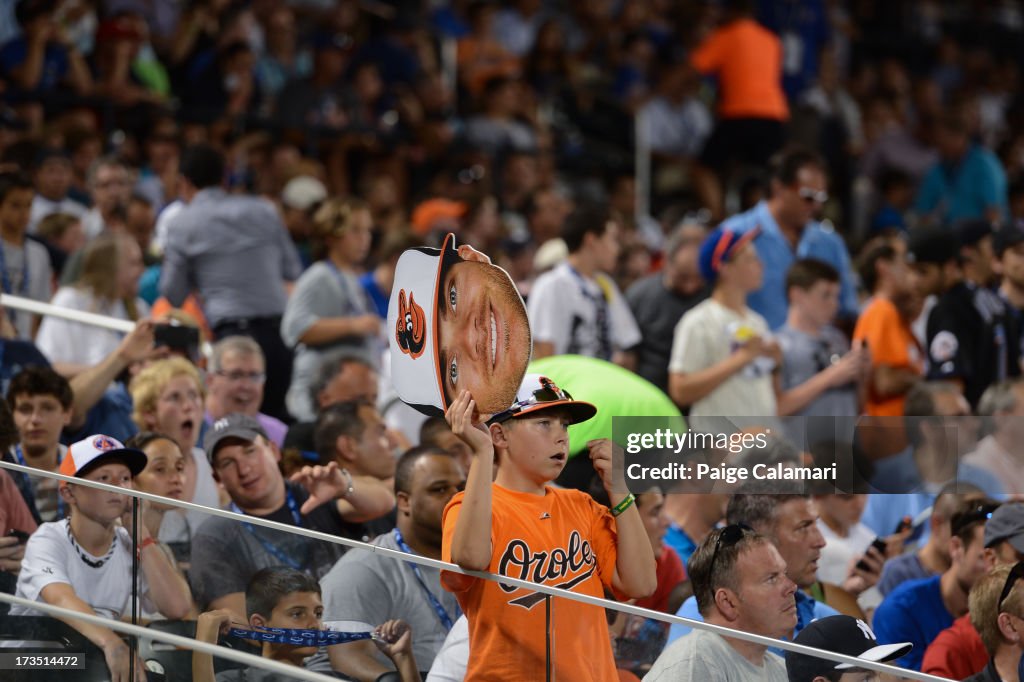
pixel 842 635
pixel 718 248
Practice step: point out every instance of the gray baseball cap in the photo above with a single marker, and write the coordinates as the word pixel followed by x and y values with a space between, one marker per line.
pixel 239 426
pixel 1007 523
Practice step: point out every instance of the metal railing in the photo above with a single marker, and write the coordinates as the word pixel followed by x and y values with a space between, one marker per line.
pixel 515 582
pixel 115 324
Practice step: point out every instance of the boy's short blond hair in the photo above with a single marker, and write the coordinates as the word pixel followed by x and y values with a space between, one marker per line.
pixel 150 382
pixel 984 608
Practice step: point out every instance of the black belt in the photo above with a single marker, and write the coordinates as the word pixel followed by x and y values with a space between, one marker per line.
pixel 249 323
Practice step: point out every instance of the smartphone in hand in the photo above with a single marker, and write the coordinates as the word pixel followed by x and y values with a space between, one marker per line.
pixel 877 543
pixel 20 534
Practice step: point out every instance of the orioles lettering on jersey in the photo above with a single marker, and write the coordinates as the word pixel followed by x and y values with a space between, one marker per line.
pixel 518 561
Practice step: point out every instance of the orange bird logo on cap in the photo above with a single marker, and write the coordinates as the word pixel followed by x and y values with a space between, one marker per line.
pixel 411 329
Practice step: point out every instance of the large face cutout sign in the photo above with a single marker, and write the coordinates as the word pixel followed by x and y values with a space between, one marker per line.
pixel 456 322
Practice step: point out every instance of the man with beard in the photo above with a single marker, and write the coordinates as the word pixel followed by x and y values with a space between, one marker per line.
pixel 370 588
pixel 456 323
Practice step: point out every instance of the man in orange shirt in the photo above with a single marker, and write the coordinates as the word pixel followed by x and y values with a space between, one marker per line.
pixel 520 527
pixel 752 111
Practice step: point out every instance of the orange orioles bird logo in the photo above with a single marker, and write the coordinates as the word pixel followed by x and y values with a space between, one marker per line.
pixel 411 329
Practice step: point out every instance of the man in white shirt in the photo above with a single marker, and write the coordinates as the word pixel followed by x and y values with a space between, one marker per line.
pixel 576 307
pixel 740 582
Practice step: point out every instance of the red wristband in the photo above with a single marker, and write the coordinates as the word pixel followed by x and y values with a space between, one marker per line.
pixel 146 543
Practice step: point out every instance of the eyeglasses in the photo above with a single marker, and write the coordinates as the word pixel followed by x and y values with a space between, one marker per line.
pixel 813 196
pixel 1016 573
pixel 548 393
pixel 729 536
pixel 254 377
pixel 980 512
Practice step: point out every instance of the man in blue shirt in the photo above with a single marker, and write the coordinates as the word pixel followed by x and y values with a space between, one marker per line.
pixel 917 611
pixel 967 181
pixel 789 521
pixel 789 232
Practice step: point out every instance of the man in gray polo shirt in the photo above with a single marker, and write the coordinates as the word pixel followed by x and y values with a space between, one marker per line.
pixel 236 254
pixel 372 587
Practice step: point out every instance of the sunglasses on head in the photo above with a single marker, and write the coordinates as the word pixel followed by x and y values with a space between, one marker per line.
pixel 1016 573
pixel 980 512
pixel 548 393
pixel 728 537
pixel 813 196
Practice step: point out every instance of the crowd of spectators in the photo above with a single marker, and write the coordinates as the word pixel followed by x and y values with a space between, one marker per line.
pixel 761 209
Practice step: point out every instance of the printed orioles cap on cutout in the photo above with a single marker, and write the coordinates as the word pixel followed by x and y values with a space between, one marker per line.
pixel 413 325
pixel 411 328
pixel 90 452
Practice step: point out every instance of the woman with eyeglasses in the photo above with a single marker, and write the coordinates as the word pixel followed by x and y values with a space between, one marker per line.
pixel 167 397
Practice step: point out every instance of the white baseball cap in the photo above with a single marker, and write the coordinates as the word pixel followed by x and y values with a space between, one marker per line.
pixel 413 325
pixel 93 451
pixel 303 192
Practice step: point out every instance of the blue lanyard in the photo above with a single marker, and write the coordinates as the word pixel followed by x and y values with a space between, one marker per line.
pixel 269 546
pixel 21 460
pixel 442 614
pixel 354 299
pixel 604 346
pixel 298 637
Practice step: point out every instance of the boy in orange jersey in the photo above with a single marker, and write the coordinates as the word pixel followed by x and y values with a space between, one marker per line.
pixel 520 527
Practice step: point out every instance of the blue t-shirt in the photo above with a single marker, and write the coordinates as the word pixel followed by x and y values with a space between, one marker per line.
pixel 807 609
pixel 377 297
pixel 913 613
pixel 16 355
pixel 803 28
pixel 112 416
pixel 773 249
pixel 55 62
pixel 965 190
pixel 901 569
pixel 677 539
